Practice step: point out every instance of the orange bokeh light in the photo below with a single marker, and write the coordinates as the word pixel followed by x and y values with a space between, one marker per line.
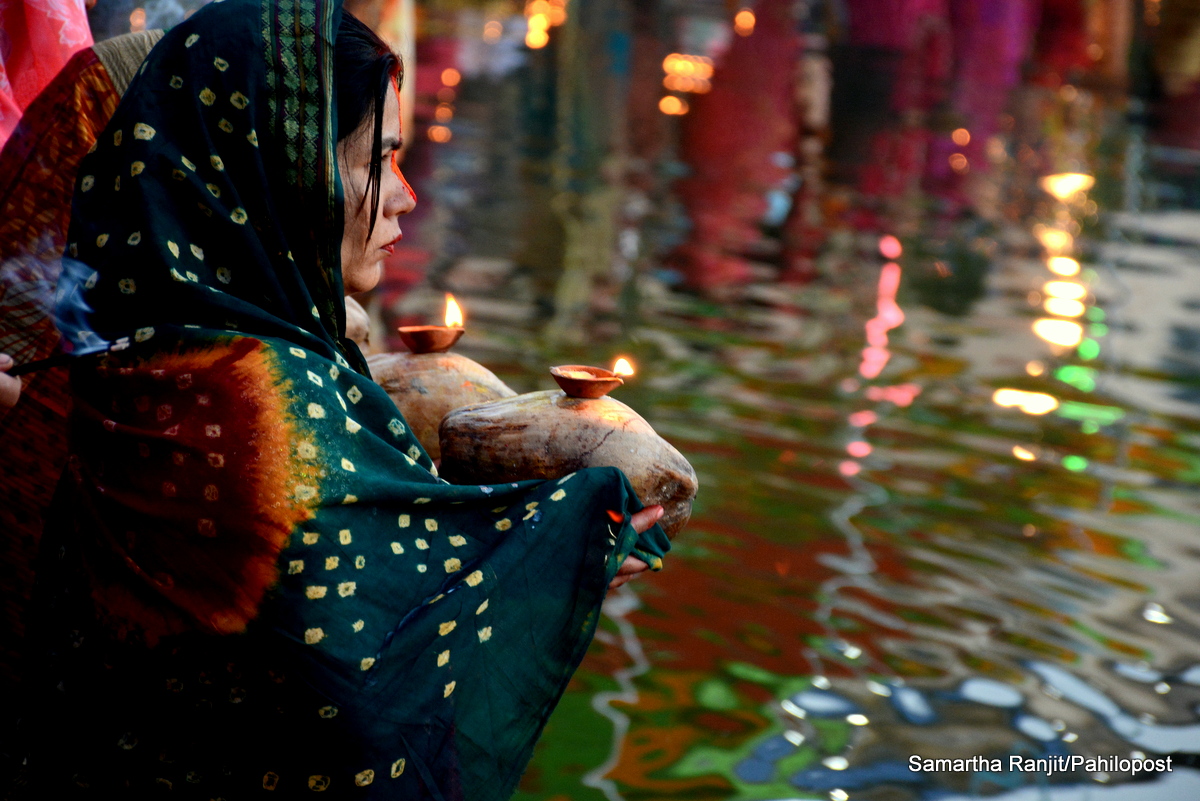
pixel 743 22
pixel 672 105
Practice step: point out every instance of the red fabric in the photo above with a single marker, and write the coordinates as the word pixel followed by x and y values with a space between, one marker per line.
pixel 37 178
pixel 727 140
pixel 38 38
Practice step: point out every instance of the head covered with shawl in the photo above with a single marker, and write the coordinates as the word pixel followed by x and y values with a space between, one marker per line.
pixel 242 494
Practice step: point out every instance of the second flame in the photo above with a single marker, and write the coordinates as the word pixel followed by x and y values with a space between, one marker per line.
pixel 454 312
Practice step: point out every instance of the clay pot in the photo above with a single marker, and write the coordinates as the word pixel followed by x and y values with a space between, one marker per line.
pixel 548 434
pixel 426 386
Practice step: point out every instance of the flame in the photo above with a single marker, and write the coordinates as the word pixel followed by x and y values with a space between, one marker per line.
pixel 454 312
pixel 623 367
pixel 1065 185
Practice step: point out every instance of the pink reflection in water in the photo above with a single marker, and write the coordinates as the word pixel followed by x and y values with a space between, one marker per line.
pixel 890 247
pixel 889 316
pixel 858 449
pixel 899 394
pixel 862 419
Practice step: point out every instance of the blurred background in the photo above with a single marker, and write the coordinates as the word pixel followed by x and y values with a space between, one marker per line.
pixel 914 285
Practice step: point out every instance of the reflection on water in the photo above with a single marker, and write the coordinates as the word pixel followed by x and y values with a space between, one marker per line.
pixel 889 556
pixel 914 287
pixel 929 348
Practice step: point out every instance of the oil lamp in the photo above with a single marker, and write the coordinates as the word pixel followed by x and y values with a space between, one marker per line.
pixel 550 434
pixel 435 338
pixel 583 381
pixel 428 383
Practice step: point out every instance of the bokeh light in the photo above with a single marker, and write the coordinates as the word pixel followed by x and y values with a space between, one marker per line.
pixel 673 105
pixel 1036 403
pixel 1066 185
pixel 536 38
pixel 743 22
pixel 890 247
pixel 1065 289
pixel 858 449
pixel 1064 307
pixel 1063 265
pixel 1055 240
pixel 1059 332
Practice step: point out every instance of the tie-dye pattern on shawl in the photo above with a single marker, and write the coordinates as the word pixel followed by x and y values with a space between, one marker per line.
pixel 258 582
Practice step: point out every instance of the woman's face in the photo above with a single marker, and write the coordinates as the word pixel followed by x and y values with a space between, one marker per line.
pixel 362 258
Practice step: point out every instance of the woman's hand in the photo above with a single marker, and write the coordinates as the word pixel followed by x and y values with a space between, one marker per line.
pixel 632 565
pixel 10 387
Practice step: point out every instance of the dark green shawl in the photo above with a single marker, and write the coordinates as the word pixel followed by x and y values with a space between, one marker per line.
pixel 278 592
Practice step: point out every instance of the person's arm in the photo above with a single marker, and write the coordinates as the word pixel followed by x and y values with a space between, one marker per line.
pixel 10 387
pixel 632 566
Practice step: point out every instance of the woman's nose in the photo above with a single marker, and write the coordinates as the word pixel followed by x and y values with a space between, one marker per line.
pixel 406 197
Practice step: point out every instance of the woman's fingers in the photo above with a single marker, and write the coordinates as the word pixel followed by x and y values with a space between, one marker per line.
pixel 646 518
pixel 631 567
pixel 10 387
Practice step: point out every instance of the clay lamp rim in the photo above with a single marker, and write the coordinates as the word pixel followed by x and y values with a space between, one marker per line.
pixel 600 384
pixel 429 338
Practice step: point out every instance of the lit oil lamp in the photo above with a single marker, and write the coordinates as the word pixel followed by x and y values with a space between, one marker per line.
pixel 435 338
pixel 583 381
pixel 549 434
pixel 428 383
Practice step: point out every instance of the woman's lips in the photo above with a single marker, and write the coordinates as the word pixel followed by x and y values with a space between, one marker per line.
pixel 390 248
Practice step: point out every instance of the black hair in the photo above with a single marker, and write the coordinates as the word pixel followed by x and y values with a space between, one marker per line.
pixel 364 67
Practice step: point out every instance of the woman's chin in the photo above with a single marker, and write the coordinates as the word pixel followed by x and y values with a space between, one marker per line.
pixel 362 277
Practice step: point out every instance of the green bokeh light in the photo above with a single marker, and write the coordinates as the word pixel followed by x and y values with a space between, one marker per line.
pixel 1075 463
pixel 1088 349
pixel 1082 378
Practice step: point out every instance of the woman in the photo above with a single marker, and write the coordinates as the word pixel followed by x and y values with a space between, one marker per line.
pixel 258 581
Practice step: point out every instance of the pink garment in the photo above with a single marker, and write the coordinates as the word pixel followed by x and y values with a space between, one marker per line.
pixel 37 38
